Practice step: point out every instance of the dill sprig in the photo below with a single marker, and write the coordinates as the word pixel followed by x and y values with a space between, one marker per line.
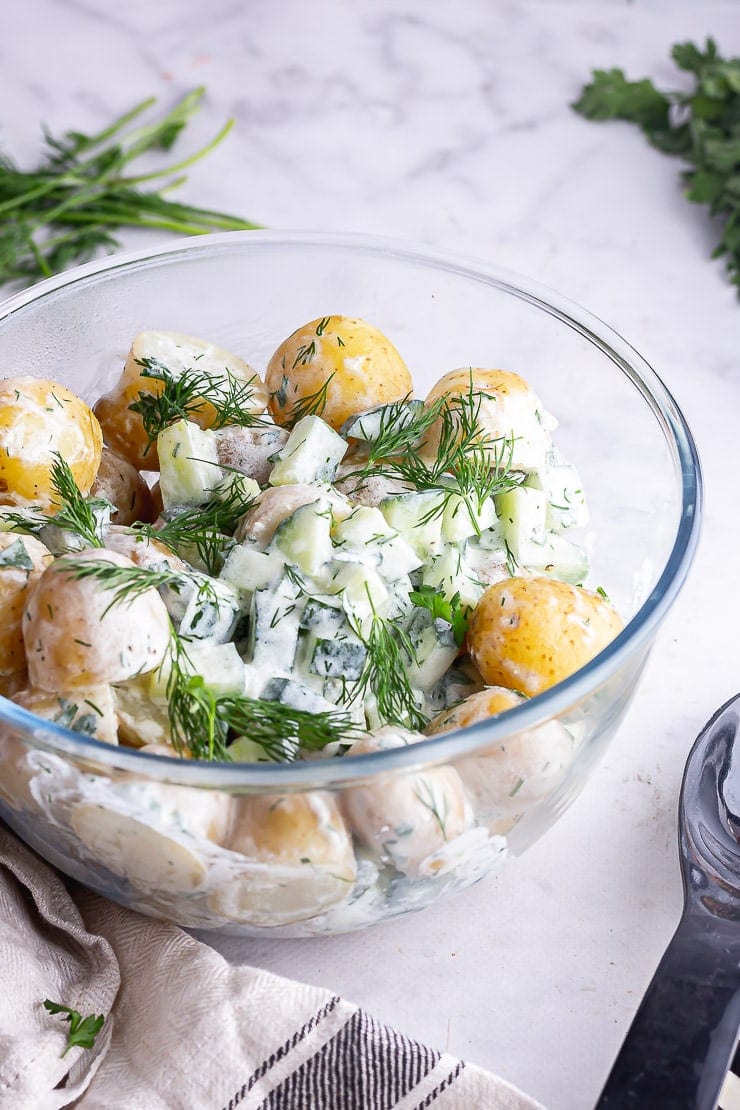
pixel 384 674
pixel 202 721
pixel 310 404
pixel 127 583
pixel 185 395
pixel 76 513
pixel 467 462
pixel 66 210
pixel 205 530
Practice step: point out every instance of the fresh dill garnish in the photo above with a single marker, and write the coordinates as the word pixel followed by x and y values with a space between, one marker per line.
pixel 127 583
pixel 76 513
pixel 82 1030
pixel 205 530
pixel 384 674
pixel 185 395
pixel 202 721
pixel 66 210
pixel 454 611
pixel 310 404
pixel 466 462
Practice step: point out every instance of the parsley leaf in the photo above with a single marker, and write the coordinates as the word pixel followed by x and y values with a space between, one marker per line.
pixel 453 611
pixel 701 126
pixel 82 1031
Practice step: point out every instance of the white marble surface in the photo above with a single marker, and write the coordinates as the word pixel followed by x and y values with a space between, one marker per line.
pixel 449 123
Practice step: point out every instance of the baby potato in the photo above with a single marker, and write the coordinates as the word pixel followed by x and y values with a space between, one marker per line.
pixel 87 709
pixel 124 429
pixel 22 562
pixel 505 403
pixel 275 505
pixel 298 859
pixel 341 361
pixel 75 634
pixel 406 818
pixel 120 483
pixel 530 633
pixel 163 844
pixel 511 776
pixel 40 419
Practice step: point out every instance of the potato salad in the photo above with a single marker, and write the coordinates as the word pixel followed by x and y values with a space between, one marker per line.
pixel 299 561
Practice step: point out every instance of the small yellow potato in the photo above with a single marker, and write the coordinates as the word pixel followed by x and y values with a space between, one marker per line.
pixel 341 361
pixel 22 562
pixel 155 835
pixel 407 819
pixel 40 419
pixel 87 709
pixel 510 415
pixel 77 635
pixel 141 550
pixel 510 777
pixel 298 859
pixel 530 633
pixel 120 483
pixel 124 430
pixel 142 721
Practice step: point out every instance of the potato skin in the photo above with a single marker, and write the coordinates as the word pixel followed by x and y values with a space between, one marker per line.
pixel 508 403
pixel 485 703
pixel 120 483
pixel 123 429
pixel 75 637
pixel 15 583
pixel 529 633
pixel 359 366
pixel 40 419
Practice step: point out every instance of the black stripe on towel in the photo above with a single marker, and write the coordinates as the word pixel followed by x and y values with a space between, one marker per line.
pixel 366 1064
pixel 441 1086
pixel 280 1052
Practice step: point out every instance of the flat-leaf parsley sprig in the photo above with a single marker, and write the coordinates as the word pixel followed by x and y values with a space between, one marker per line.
pixel 183 396
pixel 82 1030
pixel 701 126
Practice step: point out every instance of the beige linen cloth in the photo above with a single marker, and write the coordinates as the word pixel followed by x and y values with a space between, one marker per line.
pixel 184 1030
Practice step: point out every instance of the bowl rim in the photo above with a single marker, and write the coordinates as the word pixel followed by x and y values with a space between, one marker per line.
pixel 447 747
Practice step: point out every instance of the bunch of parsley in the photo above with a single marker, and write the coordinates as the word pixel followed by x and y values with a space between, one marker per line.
pixel 701 126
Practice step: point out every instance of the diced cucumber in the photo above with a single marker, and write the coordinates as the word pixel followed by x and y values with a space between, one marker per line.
pixel 522 512
pixel 211 612
pixel 188 464
pixel 363 592
pixel 566 501
pixel 366 536
pixel 219 665
pixel 296 696
pixel 304 538
pixel 456 684
pixel 248 569
pixel 239 484
pixel 434 647
pixel 341 657
pixel 418 518
pixel 461 520
pixel 368 425
pixel 451 574
pixel 556 556
pixel 274 619
pixel 312 454
pixel 323 617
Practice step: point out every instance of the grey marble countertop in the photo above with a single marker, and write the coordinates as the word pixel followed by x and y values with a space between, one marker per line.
pixel 450 124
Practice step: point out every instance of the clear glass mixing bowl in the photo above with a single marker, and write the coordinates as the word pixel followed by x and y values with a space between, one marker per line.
pixel 143 829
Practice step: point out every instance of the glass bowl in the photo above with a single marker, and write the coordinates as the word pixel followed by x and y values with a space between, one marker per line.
pixel 139 828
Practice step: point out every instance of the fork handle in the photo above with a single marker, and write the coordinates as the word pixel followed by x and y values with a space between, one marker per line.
pixel 680 1044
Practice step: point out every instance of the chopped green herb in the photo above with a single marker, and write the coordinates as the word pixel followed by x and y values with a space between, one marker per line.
pixel 82 1031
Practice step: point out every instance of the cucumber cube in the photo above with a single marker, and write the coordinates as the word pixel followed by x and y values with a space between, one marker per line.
pixel 304 538
pixel 368 425
pixel 312 454
pixel 188 464
pixel 248 569
pixel 522 512
pixel 418 518
pixel 366 536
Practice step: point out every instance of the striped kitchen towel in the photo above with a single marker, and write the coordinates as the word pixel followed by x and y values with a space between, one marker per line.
pixel 184 1030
